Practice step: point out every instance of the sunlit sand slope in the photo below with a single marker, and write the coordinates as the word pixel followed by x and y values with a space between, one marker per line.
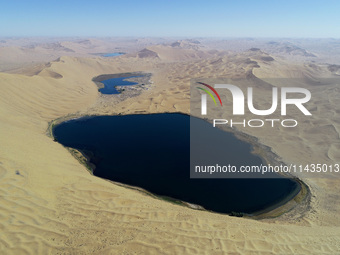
pixel 49 203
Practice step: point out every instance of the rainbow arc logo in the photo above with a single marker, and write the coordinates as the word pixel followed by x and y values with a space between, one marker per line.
pixel 204 96
pixel 209 93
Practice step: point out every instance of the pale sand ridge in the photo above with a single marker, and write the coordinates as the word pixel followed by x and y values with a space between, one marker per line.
pixel 51 204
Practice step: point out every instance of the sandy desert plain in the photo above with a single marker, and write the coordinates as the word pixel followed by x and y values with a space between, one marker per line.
pixel 51 204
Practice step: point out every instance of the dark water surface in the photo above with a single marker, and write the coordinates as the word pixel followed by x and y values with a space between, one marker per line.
pixel 110 84
pixel 153 152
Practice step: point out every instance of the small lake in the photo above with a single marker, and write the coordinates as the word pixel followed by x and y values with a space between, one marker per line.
pixel 153 152
pixel 111 84
pixel 114 54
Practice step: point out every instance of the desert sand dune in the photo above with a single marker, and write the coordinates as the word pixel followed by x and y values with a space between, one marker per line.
pixel 50 203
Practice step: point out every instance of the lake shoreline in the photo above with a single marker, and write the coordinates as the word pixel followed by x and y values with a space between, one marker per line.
pixel 141 79
pixel 103 77
pixel 264 152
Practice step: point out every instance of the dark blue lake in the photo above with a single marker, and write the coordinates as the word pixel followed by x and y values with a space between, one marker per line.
pixel 110 84
pixel 153 152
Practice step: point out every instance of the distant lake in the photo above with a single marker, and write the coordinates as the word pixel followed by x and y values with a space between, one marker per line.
pixel 110 84
pixel 153 152
pixel 115 54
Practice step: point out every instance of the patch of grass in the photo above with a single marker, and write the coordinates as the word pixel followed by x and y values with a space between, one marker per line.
pixel 81 158
pixel 236 214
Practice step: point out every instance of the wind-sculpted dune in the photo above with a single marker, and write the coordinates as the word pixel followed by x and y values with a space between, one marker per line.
pixel 51 204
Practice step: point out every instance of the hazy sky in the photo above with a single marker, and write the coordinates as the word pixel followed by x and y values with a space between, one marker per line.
pixel 272 18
